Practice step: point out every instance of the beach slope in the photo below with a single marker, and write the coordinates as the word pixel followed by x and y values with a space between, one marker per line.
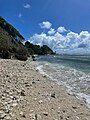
pixel 25 94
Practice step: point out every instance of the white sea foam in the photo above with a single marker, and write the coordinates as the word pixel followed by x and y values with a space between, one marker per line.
pixel 40 69
pixel 76 82
pixel 85 98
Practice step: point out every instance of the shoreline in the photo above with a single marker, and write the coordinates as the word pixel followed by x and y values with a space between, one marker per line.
pixel 28 95
pixel 80 96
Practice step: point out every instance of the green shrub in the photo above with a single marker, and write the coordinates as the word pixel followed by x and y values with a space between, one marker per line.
pixel 22 53
pixel 4 46
pixel 5 54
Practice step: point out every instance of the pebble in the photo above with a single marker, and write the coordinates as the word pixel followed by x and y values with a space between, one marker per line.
pixel 63 111
pixel 22 93
pixel 2 115
pixel 8 117
pixel 58 112
pixel 14 104
pixel 45 113
pixel 22 114
pixel 44 76
pixel 33 82
pixel 74 107
pixel 61 117
pixel 40 101
pixel 39 117
pixel 33 117
pixel 53 95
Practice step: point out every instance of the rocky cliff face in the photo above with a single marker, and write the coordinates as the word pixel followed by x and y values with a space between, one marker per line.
pixel 11 43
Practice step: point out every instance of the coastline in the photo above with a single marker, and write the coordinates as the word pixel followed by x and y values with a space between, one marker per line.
pixel 28 95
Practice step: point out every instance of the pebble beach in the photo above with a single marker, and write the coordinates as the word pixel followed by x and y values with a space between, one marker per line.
pixel 25 94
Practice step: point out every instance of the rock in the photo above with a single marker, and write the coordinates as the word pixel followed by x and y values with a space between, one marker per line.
pixel 38 80
pixel 7 117
pixel 35 98
pixel 53 95
pixel 38 93
pixel 7 76
pixel 27 85
pixel 33 117
pixel 68 116
pixel 11 114
pixel 40 101
pixel 63 111
pixel 44 76
pixel 7 110
pixel 45 113
pixel 22 93
pixel 33 82
pixel 61 117
pixel 14 104
pixel 31 111
pixel 37 70
pixel 39 117
pixel 2 115
pixel 74 107
pixel 22 114
pixel 58 112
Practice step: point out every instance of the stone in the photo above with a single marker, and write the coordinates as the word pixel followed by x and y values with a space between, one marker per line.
pixel 27 85
pixel 2 115
pixel 8 117
pixel 31 111
pixel 39 117
pixel 63 111
pixel 45 113
pixel 33 82
pixel 74 107
pixel 22 93
pixel 40 101
pixel 58 112
pixel 33 117
pixel 11 114
pixel 53 95
pixel 44 76
pixel 14 104
pixel 7 76
pixel 37 70
pixel 68 116
pixel 22 114
pixel 61 117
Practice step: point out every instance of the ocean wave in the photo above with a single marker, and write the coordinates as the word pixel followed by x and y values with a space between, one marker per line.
pixel 75 81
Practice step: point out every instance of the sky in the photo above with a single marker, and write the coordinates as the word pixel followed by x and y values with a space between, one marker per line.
pixel 63 25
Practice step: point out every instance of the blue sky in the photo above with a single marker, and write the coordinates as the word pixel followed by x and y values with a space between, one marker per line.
pixel 64 25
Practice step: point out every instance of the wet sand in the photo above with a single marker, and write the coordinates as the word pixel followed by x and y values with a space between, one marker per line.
pixel 25 94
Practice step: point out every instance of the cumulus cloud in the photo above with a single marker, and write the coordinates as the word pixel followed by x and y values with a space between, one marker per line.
pixel 20 15
pixel 45 25
pixel 27 6
pixel 51 31
pixel 61 29
pixel 71 42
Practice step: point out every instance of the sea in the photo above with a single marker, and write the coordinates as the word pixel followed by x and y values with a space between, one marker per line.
pixel 71 71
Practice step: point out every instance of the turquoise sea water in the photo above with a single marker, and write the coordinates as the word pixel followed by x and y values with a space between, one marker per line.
pixel 71 71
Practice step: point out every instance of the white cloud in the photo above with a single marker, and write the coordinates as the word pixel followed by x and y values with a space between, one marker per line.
pixel 27 6
pixel 20 15
pixel 70 43
pixel 45 25
pixel 51 31
pixel 61 29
